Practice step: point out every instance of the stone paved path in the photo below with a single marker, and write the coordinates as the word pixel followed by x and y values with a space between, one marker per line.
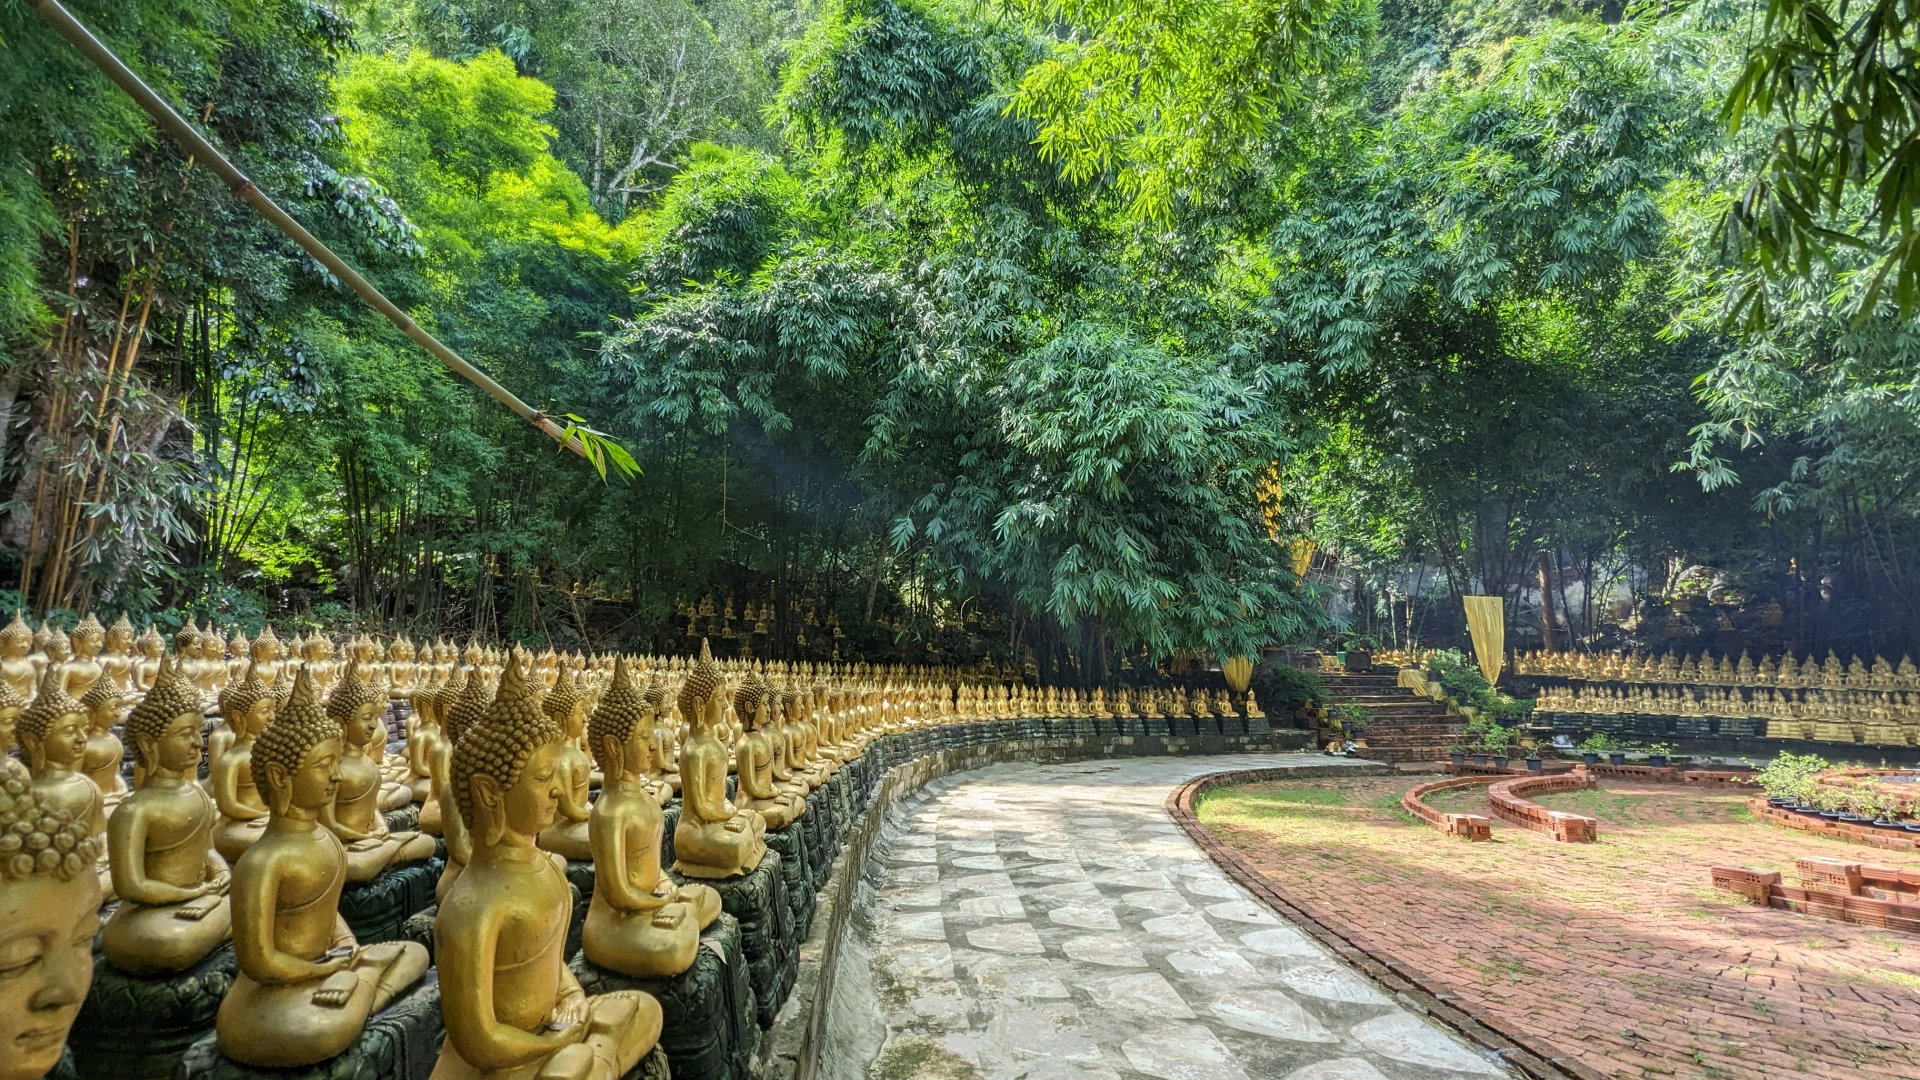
pixel 1050 923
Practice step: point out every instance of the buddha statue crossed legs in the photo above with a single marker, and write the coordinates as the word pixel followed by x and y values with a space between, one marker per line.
pixel 513 1010
pixel 305 987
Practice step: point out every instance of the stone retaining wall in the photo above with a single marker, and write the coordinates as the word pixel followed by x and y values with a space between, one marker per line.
pixel 1510 804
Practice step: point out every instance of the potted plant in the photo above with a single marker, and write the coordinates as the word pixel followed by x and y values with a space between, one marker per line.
pixel 1617 754
pixel 1596 744
pixel 1457 754
pixel 1353 717
pixel 1657 754
pixel 1356 653
pixel 1496 740
pixel 1534 762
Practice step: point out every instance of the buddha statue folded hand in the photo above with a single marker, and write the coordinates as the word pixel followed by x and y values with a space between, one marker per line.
pixel 305 987
pixel 171 882
pixel 639 922
pixel 513 1009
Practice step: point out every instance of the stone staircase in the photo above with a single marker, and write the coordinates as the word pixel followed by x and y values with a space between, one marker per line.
pixel 1405 728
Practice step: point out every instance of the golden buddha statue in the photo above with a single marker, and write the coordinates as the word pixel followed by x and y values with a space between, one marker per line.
pixel 568 835
pixel 513 1009
pixel 318 661
pixel 354 815
pixel 423 734
pixel 714 838
pixel 49 913
pixel 149 648
pixel 105 752
pixel 305 987
pixel 186 656
pixel 213 663
pixel 403 673
pixel 84 668
pixel 779 804
pixel 639 921
pixel 239 657
pixel 11 706
pixel 248 707
pixel 266 652
pixel 52 732
pixel 116 655
pixel 666 741
pixel 16 667
pixel 171 882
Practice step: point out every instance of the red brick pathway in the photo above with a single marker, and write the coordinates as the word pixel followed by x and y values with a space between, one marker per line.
pixel 1619 954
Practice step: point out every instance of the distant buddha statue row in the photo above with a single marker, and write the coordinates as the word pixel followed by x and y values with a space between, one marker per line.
pixel 1723 671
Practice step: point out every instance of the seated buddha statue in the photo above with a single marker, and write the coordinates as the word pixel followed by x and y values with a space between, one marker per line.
pixel 423 735
pixel 84 668
pixel 266 651
pixel 105 752
pixel 714 839
pixel 11 706
pixel 16 670
pixel 248 707
pixel 568 835
pixel 49 913
pixel 803 742
pixel 149 648
pixel 354 814
pixel 52 733
pixel 639 922
pixel 780 804
pixel 171 882
pixel 305 987
pixel 116 657
pixel 318 655
pixel 513 1009
pixel 402 672
pixel 665 769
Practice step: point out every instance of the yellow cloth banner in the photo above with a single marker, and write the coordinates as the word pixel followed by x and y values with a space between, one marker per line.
pixel 1302 552
pixel 1487 621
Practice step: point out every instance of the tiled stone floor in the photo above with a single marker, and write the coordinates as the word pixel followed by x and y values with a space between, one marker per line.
pixel 1050 923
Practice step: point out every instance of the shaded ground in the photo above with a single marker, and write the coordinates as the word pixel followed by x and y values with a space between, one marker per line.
pixel 1619 953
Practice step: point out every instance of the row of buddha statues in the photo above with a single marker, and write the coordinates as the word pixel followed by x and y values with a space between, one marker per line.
pixel 1707 670
pixel 502 753
pixel 1881 717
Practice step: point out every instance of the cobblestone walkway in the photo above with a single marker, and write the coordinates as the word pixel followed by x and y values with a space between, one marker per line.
pixel 1617 953
pixel 1051 923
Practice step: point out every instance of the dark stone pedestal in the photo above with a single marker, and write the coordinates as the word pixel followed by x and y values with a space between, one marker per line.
pixel 652 1067
pixel 708 1030
pixel 796 866
pixel 1182 727
pixel 821 841
pixel 401 1042
pixel 1233 725
pixel 419 928
pixel 580 876
pixel 405 819
pixel 1133 725
pixel 1159 726
pixel 378 910
pixel 759 902
pixel 1259 725
pixel 670 820
pixel 64 1069
pixel 137 1028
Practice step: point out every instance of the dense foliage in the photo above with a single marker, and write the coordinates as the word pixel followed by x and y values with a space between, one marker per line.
pixel 1047 332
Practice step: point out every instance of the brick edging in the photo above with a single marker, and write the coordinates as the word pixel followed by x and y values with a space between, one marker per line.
pixel 1416 989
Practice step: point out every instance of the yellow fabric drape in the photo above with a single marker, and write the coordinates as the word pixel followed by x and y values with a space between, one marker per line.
pixel 1238 671
pixel 1487 621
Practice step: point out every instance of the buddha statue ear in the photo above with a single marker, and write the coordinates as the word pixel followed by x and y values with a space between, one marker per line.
pixel 279 788
pixel 615 763
pixel 492 825
pixel 35 749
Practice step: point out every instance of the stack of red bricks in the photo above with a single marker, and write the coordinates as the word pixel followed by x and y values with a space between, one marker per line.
pixel 1469 826
pixel 1833 889
pixel 1511 805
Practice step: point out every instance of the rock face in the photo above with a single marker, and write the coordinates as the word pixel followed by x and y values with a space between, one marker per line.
pixel 138 1028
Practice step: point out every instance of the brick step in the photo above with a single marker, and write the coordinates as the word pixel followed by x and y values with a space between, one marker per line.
pixel 1394 755
pixel 1403 736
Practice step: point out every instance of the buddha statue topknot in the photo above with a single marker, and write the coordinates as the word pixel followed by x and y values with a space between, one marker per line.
pixel 305 987
pixel 49 904
pixel 171 882
pixel 513 1010
pixel 639 922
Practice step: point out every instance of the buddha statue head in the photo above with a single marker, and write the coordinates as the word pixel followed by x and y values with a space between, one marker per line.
pixel 53 730
pixel 165 727
pixel 59 647
pixel 150 643
pixel 749 701
pixel 504 765
pixel 248 704
pixel 620 740
pixel 49 913
pixel 296 760
pixel 466 704
pixel 266 647
pixel 16 639
pixel 238 647
pixel 101 703
pixel 565 705
pixel 186 641
pixel 355 705
pixel 700 688
pixel 88 637
pixel 120 636
pixel 12 704
pixel 401 651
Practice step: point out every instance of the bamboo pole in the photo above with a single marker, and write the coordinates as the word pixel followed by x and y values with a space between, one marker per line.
pixel 202 150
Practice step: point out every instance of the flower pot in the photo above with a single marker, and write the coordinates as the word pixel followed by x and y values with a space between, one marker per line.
pixel 1658 761
pixel 1886 823
pixel 1500 762
pixel 1534 764
pixel 1778 803
pixel 1911 826
pixel 1590 758
pixel 1457 759
pixel 1830 815
pixel 1851 819
pixel 1617 758
pixel 1479 759
pixel 1357 660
